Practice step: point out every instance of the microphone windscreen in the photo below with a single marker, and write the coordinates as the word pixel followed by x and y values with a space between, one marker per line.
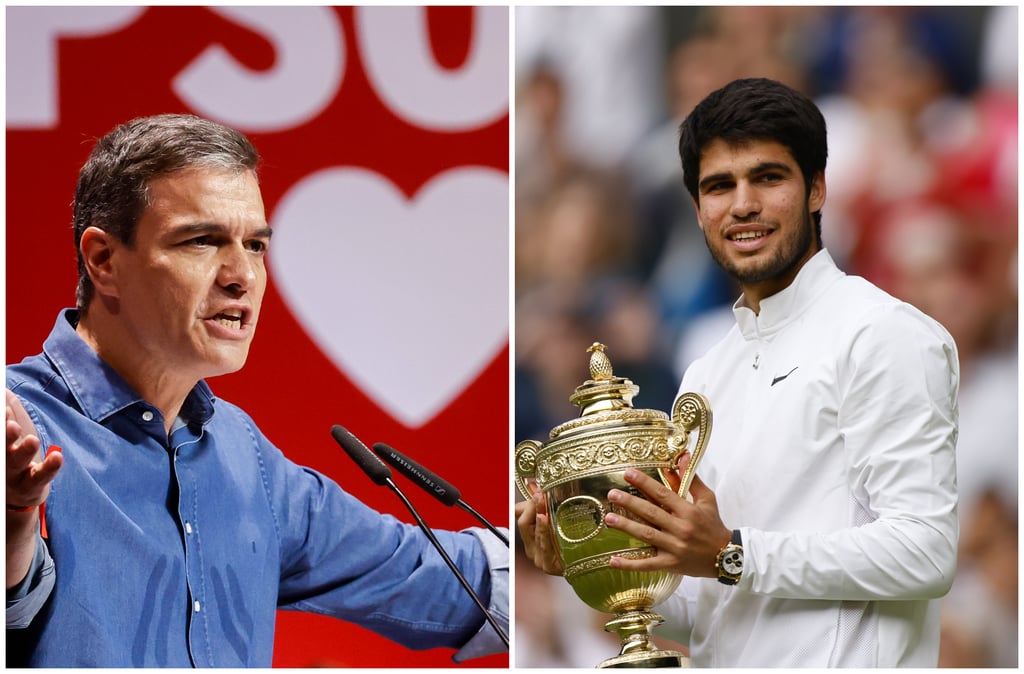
pixel 441 489
pixel 364 458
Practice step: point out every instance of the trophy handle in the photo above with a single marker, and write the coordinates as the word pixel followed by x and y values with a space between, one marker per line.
pixel 690 411
pixel 526 465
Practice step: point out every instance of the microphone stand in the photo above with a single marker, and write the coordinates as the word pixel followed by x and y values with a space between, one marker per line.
pixel 380 474
pixel 448 560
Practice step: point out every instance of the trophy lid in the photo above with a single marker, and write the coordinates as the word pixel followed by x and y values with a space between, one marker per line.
pixel 603 391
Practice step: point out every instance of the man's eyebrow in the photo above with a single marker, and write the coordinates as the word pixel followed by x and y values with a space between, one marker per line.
pixel 713 178
pixel 772 166
pixel 759 168
pixel 200 228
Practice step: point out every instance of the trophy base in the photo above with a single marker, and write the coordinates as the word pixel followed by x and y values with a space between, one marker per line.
pixel 646 659
pixel 634 629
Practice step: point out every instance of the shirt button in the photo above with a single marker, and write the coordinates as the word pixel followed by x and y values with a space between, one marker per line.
pixel 188 527
pixel 147 416
pixel 196 606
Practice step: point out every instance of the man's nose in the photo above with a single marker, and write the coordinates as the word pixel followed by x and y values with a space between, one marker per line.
pixel 746 201
pixel 237 269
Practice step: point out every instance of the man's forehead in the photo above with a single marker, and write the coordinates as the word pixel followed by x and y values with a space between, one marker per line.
pixel 750 151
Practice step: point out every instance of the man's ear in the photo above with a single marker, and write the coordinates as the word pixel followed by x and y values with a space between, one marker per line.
pixel 696 207
pixel 816 199
pixel 97 248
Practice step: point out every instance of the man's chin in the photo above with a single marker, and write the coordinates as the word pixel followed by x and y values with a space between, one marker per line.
pixel 227 364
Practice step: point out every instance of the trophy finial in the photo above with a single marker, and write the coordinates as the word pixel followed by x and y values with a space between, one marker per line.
pixel 603 391
pixel 600 366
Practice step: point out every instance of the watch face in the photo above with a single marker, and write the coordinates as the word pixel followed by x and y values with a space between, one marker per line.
pixel 732 562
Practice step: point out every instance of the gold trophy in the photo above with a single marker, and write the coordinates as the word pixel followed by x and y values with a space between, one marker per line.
pixel 585 458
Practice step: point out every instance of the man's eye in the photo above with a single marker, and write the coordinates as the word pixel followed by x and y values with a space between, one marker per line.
pixel 200 241
pixel 258 246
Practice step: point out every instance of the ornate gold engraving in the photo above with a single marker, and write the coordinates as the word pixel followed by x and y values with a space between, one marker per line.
pixel 579 518
pixel 597 562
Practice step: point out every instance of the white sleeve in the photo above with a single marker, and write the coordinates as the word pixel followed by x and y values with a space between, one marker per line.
pixel 898 383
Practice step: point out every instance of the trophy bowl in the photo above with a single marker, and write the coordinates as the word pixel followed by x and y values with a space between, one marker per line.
pixel 583 460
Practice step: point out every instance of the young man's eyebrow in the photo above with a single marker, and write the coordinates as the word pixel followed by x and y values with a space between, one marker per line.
pixel 713 178
pixel 759 168
pixel 772 166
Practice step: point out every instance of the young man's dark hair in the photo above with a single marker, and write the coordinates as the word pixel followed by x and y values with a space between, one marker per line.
pixel 756 109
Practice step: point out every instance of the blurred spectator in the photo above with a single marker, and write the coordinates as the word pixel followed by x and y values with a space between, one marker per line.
pixel 557 629
pixel 959 272
pixel 609 61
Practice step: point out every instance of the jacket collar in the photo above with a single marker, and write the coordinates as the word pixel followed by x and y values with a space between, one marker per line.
pixel 779 309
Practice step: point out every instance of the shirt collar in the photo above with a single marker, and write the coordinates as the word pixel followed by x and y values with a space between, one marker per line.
pixel 99 390
pixel 777 310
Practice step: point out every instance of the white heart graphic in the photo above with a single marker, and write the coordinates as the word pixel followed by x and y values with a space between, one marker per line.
pixel 408 297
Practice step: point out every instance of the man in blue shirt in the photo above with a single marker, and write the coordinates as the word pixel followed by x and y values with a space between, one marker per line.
pixel 174 528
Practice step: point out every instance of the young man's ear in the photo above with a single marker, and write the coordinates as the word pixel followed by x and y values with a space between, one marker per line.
pixel 97 248
pixel 696 207
pixel 816 198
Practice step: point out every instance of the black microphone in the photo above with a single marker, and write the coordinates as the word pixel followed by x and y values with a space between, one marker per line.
pixel 433 484
pixel 378 471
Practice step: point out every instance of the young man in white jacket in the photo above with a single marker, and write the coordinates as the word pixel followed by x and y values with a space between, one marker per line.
pixel 822 528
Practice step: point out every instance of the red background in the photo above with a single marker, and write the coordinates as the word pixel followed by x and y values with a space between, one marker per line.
pixel 108 79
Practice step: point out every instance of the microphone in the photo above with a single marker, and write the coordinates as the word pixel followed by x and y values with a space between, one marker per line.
pixel 378 471
pixel 433 484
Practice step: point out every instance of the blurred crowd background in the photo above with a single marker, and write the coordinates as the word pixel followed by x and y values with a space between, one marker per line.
pixel 921 106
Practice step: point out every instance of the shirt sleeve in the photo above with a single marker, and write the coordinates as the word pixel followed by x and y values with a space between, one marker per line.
pixel 341 558
pixel 26 599
pixel 486 641
pixel 897 384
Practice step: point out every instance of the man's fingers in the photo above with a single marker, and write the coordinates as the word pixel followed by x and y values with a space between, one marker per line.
pixel 547 556
pixel 654 490
pixel 21 453
pixel 47 469
pixel 535 529
pixel 13 429
pixel 700 491
pixel 648 531
pixel 642 508
pixel 29 483
pixel 644 564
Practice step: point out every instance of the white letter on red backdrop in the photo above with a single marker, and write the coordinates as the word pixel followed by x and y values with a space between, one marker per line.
pixel 32 34
pixel 309 64
pixel 395 47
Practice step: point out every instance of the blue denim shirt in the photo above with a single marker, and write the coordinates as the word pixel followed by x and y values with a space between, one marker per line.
pixel 177 551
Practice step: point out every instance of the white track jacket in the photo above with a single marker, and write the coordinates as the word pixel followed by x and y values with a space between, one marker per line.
pixel 833 451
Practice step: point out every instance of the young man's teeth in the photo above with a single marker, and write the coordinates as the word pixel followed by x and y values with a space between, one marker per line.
pixel 742 236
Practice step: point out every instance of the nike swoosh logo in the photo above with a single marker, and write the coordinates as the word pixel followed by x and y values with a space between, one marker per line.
pixel 776 380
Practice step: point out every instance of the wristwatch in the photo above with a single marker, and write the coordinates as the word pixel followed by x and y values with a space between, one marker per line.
pixel 730 560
